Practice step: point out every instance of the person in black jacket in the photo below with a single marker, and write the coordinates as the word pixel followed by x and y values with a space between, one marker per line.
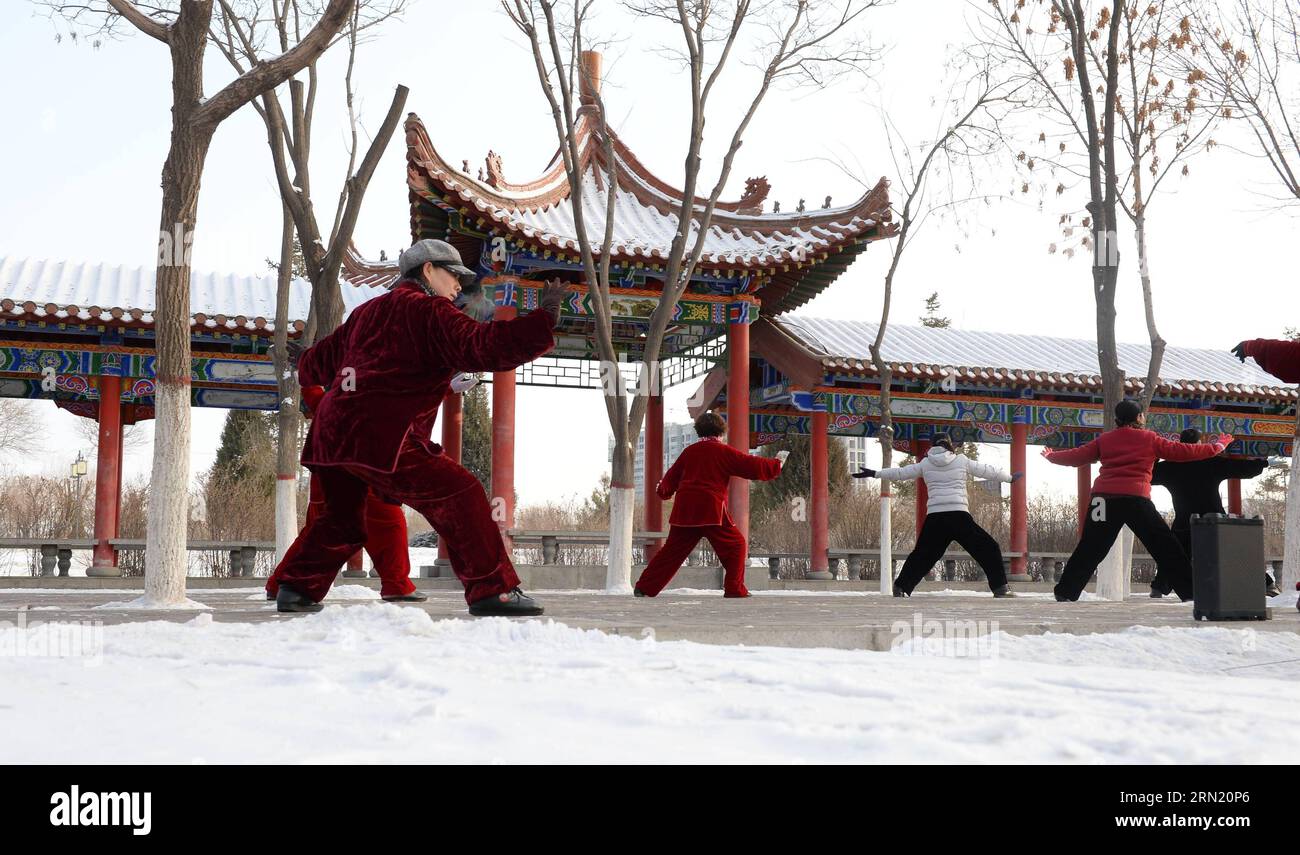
pixel 1194 488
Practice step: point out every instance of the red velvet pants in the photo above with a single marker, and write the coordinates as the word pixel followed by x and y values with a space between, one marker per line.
pixel 385 542
pixel 727 542
pixel 441 490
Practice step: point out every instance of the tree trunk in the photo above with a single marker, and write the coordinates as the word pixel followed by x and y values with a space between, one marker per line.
pixel 1291 538
pixel 622 515
pixel 1153 334
pixel 886 460
pixel 169 486
pixel 286 453
pixel 1112 377
pixel 168 522
pixel 1116 569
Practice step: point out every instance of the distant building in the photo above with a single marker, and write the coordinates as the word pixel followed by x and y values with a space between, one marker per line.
pixel 855 451
pixel 676 437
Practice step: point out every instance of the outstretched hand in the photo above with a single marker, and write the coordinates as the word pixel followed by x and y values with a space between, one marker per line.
pixel 864 472
pixel 1225 439
pixel 1240 351
pixel 463 382
pixel 553 293
pixel 1046 452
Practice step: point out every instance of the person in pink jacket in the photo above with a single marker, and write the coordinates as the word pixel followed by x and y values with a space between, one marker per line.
pixel 1121 496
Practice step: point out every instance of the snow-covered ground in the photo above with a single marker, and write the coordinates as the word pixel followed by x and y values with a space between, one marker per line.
pixel 370 682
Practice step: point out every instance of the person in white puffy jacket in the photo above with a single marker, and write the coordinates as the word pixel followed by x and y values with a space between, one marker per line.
pixel 947 515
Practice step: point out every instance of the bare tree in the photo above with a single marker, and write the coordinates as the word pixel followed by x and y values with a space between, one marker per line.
pixel 1249 56
pixel 184 29
pixel 801 40
pixel 240 30
pixel 20 427
pixel 134 437
pixel 1057 49
pixel 970 129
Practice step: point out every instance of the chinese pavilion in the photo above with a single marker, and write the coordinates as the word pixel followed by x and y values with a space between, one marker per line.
pixel 815 377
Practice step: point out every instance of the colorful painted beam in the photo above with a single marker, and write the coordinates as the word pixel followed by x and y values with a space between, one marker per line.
pixel 627 304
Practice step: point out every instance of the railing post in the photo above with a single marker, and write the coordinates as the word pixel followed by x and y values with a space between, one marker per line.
pixel 49 555
pixel 65 561
pixel 550 549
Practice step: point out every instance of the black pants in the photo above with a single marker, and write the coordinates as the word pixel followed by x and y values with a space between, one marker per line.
pixel 1184 535
pixel 941 529
pixel 1102 527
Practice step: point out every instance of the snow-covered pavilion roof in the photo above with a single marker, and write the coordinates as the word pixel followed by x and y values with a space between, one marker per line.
pixel 539 212
pixel 1063 364
pixel 102 293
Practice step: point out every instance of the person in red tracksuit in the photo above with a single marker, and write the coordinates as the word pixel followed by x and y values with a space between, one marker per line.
pixel 386 538
pixel 386 370
pixel 1278 357
pixel 1121 496
pixel 699 479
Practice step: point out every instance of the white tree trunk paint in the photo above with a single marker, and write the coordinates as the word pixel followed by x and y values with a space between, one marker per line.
pixel 286 516
pixel 1291 541
pixel 1115 569
pixel 169 499
pixel 618 579
pixel 886 547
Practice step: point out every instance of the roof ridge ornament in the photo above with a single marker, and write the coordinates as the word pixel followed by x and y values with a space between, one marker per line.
pixel 589 80
pixel 756 190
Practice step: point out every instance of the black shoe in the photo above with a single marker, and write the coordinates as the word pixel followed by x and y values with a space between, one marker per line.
pixel 270 596
pixel 510 604
pixel 413 597
pixel 1003 592
pixel 899 592
pixel 289 600
pixel 1061 598
pixel 1156 593
pixel 637 592
pixel 1272 590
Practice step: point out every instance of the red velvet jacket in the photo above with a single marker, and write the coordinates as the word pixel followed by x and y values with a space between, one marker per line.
pixel 1279 358
pixel 700 478
pixel 1127 457
pixel 390 364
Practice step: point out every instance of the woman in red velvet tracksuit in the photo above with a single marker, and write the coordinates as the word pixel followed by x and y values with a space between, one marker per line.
pixel 386 538
pixel 1121 496
pixel 699 479
pixel 387 369
pixel 1278 357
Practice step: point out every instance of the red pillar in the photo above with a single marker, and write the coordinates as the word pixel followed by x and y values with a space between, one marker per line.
pixel 503 441
pixel 1019 502
pixel 819 489
pixel 1085 492
pixel 108 479
pixel 654 470
pixel 117 491
pixel 919 449
pixel 738 418
pixel 1234 496
pixel 452 418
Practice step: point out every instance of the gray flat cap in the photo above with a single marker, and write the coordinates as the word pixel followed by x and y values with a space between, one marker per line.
pixel 440 253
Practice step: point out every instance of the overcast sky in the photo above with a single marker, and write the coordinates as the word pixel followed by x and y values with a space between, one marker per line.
pixel 86 131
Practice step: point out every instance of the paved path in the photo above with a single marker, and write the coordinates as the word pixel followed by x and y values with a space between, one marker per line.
pixel 836 618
